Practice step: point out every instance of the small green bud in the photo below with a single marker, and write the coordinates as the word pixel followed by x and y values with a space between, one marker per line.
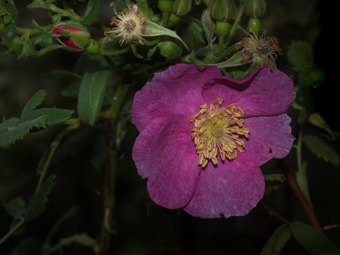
pixel 222 28
pixel 173 18
pixel 219 10
pixel 208 3
pixel 165 5
pixel 231 9
pixel 182 7
pixel 169 50
pixel 93 47
pixel 255 8
pixel 254 25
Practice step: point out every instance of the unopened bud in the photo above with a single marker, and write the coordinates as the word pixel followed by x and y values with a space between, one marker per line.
pixel 93 47
pixel 222 28
pixel 169 50
pixel 208 3
pixel 73 35
pixel 254 25
pixel 255 8
pixel 165 5
pixel 219 10
pixel 182 7
pixel 173 18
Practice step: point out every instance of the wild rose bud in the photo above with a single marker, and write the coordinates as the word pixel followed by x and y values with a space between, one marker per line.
pixel 173 18
pixel 93 47
pixel 208 3
pixel 165 5
pixel 219 10
pixel 169 50
pixel 222 28
pixel 255 8
pixel 182 7
pixel 254 25
pixel 72 35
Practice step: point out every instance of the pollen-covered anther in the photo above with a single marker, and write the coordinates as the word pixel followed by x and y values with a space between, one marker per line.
pixel 218 131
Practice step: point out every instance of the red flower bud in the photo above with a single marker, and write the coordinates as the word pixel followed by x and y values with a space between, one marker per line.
pixel 74 36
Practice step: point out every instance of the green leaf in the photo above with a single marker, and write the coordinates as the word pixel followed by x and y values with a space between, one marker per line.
pixel 19 131
pixel 93 8
pixel 300 54
pixel 36 206
pixel 273 181
pixel 153 29
pixel 8 124
pixel 317 120
pixel 312 240
pixel 277 241
pixel 52 116
pixel 301 178
pixel 15 207
pixel 34 101
pixel 91 95
pixel 321 149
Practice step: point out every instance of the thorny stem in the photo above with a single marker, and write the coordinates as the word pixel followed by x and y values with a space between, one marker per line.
pixel 110 170
pixel 301 197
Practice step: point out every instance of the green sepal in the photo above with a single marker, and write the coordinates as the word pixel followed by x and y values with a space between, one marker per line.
pixel 152 29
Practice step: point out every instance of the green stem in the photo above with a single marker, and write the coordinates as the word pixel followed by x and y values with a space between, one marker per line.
pixel 54 145
pixel 114 53
pixel 165 16
pixel 111 168
pixel 13 230
pixel 298 150
pixel 237 21
pixel 63 12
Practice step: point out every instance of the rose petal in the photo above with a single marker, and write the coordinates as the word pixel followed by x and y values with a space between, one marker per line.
pixel 165 153
pixel 269 93
pixel 174 91
pixel 230 189
pixel 269 137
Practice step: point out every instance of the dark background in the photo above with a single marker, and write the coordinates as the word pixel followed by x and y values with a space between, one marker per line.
pixel 143 227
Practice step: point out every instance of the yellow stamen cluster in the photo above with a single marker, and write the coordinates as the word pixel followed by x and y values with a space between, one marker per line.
pixel 128 26
pixel 260 50
pixel 218 131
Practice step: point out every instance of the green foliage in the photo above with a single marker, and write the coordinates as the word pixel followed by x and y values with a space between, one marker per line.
pixel 15 207
pixel 34 102
pixel 273 181
pixel 312 240
pixel 18 130
pixel 317 120
pixel 93 8
pixel 321 149
pixel 37 204
pixel 277 241
pixel 15 129
pixel 91 95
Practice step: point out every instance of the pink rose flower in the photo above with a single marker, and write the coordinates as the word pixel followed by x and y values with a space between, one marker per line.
pixel 203 137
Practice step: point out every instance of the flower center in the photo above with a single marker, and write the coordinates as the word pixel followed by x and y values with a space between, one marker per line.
pixel 217 131
pixel 129 25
